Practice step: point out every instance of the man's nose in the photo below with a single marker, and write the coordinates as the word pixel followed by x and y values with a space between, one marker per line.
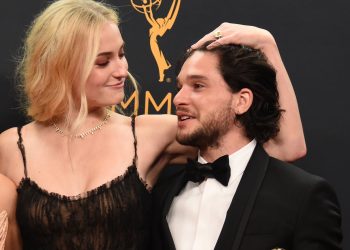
pixel 181 97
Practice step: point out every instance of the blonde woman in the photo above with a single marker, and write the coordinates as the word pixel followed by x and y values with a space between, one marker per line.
pixel 9 234
pixel 83 173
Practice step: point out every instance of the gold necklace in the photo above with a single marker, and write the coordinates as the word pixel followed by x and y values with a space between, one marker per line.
pixel 88 132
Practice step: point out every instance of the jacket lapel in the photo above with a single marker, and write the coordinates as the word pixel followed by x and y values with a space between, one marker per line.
pixel 242 203
pixel 177 187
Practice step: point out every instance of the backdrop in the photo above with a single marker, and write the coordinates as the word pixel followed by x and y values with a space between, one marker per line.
pixel 313 38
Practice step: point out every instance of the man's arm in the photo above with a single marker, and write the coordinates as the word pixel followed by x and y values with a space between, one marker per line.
pixel 289 144
pixel 319 222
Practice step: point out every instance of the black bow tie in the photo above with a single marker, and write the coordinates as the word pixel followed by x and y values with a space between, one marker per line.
pixel 219 169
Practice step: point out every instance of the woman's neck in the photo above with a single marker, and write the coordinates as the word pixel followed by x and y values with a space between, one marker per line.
pixel 82 126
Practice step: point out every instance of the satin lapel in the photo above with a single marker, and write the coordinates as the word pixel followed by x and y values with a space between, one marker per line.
pixel 177 186
pixel 241 206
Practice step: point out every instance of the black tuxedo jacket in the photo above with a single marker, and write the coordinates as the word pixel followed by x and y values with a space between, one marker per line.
pixel 276 205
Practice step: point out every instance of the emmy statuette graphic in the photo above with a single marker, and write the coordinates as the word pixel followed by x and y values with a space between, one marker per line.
pixel 159 26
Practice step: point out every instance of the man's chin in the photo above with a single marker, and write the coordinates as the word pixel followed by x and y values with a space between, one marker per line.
pixel 190 139
pixel 184 139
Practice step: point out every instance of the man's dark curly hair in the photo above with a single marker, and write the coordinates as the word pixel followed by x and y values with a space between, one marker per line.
pixel 244 67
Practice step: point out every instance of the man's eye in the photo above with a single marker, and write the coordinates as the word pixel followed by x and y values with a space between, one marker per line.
pixel 178 88
pixel 121 55
pixel 197 86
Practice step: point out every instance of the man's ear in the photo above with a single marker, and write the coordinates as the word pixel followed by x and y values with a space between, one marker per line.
pixel 243 101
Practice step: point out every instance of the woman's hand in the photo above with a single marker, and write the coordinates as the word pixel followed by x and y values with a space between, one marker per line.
pixel 231 33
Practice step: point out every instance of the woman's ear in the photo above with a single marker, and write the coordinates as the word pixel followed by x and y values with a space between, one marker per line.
pixel 243 101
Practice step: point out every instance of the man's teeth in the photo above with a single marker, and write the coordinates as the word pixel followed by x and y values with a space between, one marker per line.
pixel 182 118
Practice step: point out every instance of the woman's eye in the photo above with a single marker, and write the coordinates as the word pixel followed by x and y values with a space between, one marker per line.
pixel 102 64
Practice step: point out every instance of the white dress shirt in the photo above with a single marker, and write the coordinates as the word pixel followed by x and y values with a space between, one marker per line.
pixel 198 213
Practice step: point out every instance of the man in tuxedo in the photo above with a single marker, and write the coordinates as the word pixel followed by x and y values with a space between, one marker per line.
pixel 235 196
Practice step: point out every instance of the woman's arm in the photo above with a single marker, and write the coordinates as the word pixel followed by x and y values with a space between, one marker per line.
pixel 3 228
pixel 289 144
pixel 8 202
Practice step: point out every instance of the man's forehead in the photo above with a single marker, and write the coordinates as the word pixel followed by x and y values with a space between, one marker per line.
pixel 200 65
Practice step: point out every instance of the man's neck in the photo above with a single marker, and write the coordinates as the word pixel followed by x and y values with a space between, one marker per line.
pixel 227 145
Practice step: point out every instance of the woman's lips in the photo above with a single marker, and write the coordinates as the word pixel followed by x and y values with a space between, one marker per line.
pixel 116 85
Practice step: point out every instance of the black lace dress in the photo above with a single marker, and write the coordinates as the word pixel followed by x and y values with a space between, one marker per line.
pixel 115 215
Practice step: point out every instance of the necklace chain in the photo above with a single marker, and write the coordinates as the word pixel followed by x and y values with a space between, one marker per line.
pixel 88 132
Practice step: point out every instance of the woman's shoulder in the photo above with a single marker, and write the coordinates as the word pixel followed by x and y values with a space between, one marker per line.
pixel 12 134
pixel 8 134
pixel 163 121
pixel 8 139
pixel 9 152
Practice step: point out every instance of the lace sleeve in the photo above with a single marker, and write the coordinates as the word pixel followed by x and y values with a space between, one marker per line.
pixel 3 229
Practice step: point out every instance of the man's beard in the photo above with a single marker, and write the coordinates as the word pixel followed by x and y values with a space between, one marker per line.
pixel 214 126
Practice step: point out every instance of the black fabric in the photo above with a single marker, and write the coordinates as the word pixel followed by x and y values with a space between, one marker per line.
pixel 115 215
pixel 22 149
pixel 219 170
pixel 276 205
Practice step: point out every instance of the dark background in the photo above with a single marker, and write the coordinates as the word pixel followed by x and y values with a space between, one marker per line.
pixel 313 38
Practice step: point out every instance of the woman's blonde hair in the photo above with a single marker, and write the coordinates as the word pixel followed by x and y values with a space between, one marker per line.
pixel 59 52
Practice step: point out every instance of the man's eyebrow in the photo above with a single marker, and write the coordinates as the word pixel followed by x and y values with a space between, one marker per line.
pixel 199 77
pixel 194 77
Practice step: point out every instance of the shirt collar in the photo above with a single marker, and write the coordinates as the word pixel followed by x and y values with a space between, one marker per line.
pixel 238 160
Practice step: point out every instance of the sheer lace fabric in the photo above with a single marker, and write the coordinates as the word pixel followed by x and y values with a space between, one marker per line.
pixel 116 215
pixel 113 216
